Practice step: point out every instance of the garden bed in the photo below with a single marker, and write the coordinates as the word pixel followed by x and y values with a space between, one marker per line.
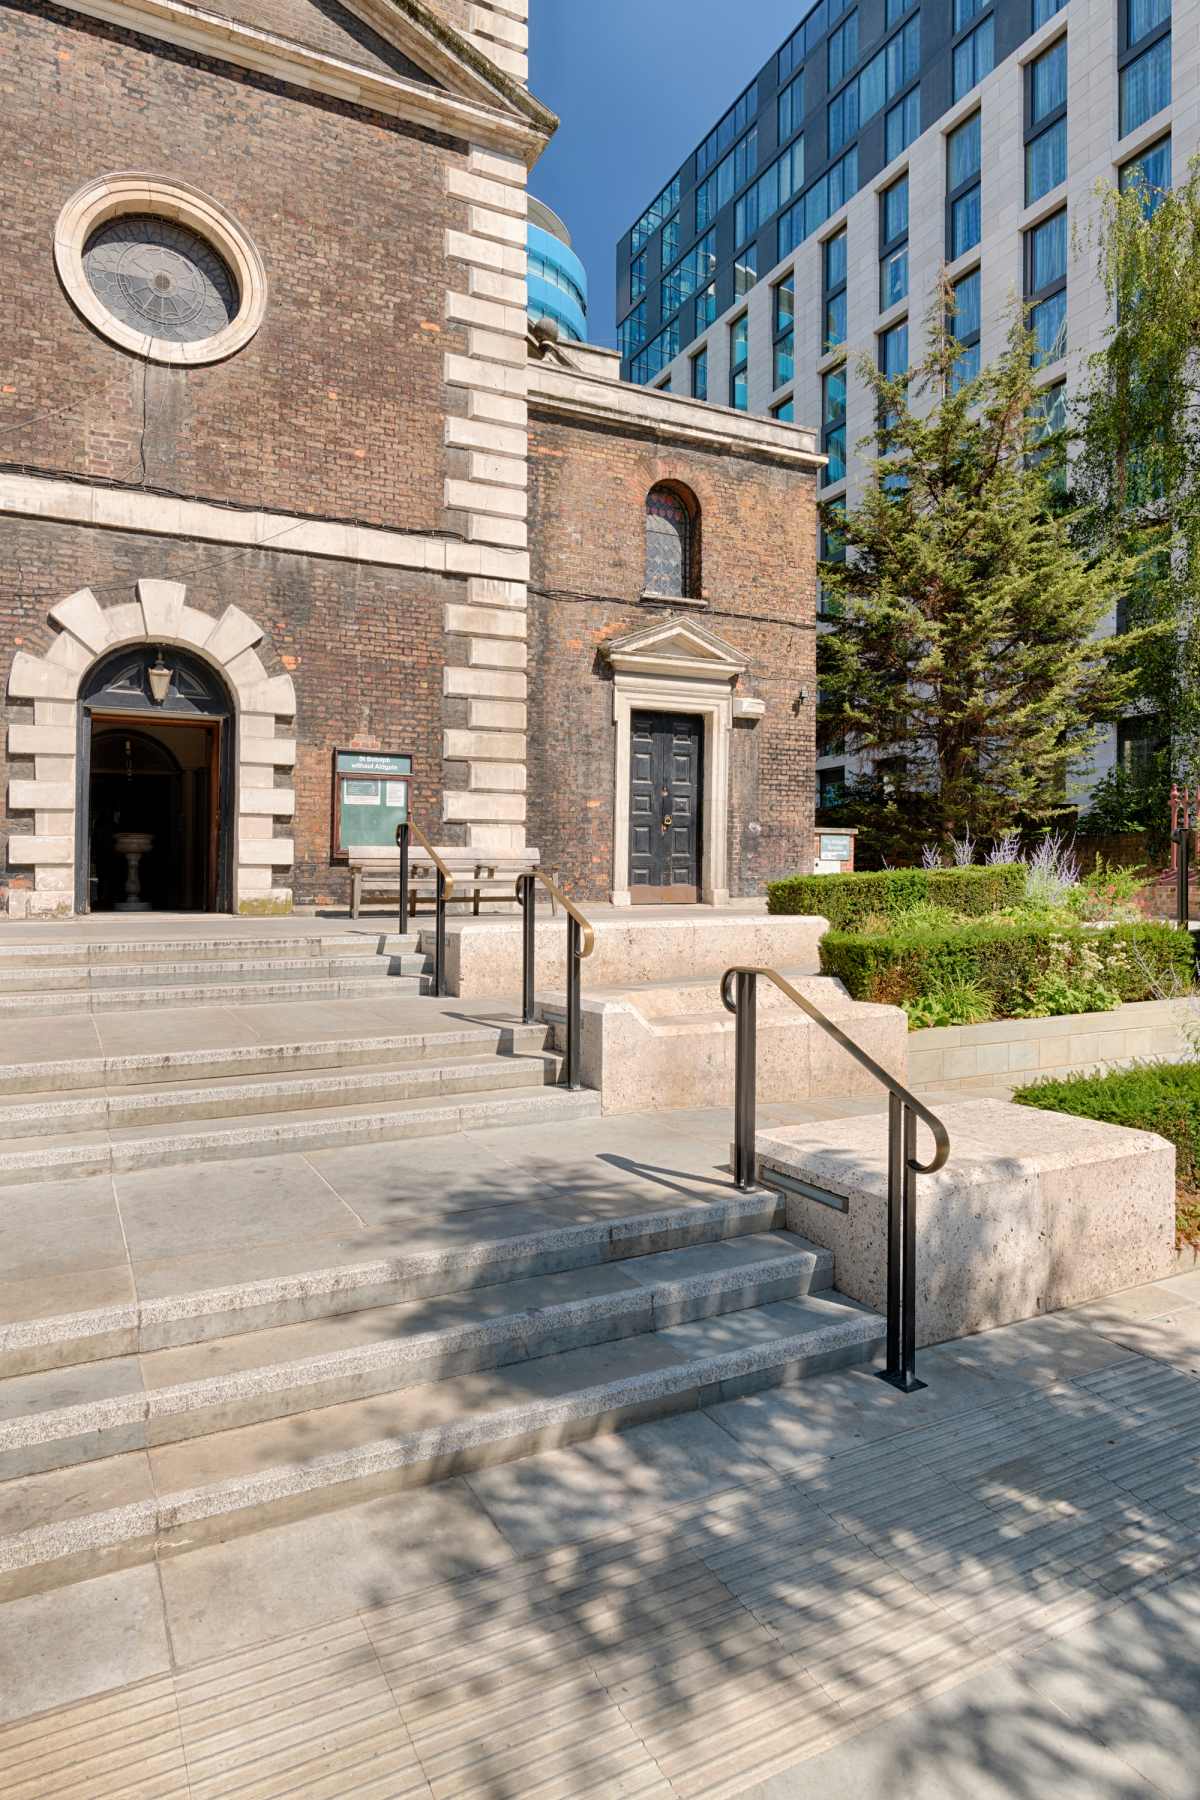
pixel 1158 1097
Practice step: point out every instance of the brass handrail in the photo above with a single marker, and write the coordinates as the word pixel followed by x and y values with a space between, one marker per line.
pixel 940 1136
pixel 581 941
pixel 433 856
pixel 903 1166
pixel 588 941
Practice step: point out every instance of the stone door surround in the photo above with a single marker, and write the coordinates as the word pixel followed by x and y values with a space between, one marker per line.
pixel 676 666
pixel 264 705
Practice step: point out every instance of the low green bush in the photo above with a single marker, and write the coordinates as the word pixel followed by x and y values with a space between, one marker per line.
pixel 846 900
pixel 1161 1097
pixel 1025 970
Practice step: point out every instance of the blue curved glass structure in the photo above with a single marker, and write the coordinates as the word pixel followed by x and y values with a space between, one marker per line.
pixel 557 278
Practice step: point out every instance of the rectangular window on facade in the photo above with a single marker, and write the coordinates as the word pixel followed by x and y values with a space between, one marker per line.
pixel 637 276
pixel 832 550
pixel 670 241
pixel 893 351
pixel 1146 85
pixel 654 215
pixel 965 323
pixel 745 271
pixel 902 125
pixel 893 244
pixel 1144 17
pixel 823 199
pixel 831 786
pixel 1046 287
pixel 772 190
pixel 966 10
pixel 739 353
pixel 633 329
pixel 786 410
pixel 891 69
pixel 896 10
pixel 833 275
pixel 1050 414
pixel 783 312
pixel 730 174
pixel 1149 173
pixel 975 57
pixel 700 375
pixel 833 424
pixel 706 307
pixel 697 267
pixel 843 50
pixel 730 127
pixel 963 153
pixel 1048 83
pixel 658 353
pixel 790 107
pixel 1045 9
pixel 1045 161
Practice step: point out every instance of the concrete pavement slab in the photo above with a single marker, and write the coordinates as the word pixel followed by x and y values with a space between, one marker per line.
pixel 81 1640
pixel 293 1577
pixel 223 1205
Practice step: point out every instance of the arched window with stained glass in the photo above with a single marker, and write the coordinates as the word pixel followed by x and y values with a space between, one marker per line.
pixel 671 560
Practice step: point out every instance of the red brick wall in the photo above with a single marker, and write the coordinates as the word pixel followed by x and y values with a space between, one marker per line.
pixel 363 645
pixel 336 406
pixel 587 496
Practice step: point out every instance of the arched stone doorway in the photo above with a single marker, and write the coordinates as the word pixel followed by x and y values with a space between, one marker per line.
pixel 260 708
pixel 156 756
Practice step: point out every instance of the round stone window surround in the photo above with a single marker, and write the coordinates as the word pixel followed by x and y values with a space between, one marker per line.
pixel 110 196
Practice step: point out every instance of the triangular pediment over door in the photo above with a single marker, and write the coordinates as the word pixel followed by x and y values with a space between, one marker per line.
pixel 676 646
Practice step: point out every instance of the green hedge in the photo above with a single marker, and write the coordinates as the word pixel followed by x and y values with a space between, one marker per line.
pixel 1005 960
pixel 845 900
pixel 1162 1097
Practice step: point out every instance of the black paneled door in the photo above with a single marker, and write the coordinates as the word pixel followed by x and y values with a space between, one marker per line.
pixel 664 808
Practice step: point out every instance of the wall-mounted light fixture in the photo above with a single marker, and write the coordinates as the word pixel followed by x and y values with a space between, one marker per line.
pixel 160 677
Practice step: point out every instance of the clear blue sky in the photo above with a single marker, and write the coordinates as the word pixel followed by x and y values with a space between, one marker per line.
pixel 636 84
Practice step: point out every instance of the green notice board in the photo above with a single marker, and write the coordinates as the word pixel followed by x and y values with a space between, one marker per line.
pixel 370 798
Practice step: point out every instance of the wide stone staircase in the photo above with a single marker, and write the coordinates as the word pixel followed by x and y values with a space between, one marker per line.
pixel 214 1391
pixel 82 1114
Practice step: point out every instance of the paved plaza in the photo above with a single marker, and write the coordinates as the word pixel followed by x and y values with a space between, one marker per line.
pixel 987 1588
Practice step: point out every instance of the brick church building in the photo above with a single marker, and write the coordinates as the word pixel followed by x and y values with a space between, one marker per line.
pixel 285 480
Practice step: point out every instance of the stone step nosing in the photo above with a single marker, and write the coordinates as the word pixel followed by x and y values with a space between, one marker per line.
pixel 177 1319
pixel 414 1354
pixel 248 993
pixel 253 1140
pixel 130 1070
pixel 856 1337
pixel 36 982
pixel 117 1111
pixel 82 952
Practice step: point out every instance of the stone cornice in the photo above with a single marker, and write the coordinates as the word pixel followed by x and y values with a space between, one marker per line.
pixel 489 110
pixel 158 515
pixel 649 412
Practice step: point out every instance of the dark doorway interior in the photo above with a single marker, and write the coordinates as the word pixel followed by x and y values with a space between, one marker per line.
pixel 664 809
pixel 155 761
pixel 156 780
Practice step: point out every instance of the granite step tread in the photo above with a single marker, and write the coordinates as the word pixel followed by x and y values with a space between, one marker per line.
pixel 254 1475
pixel 246 992
pixel 80 952
pixel 471 1248
pixel 92 1152
pixel 106 977
pixel 253 1095
pixel 96 1409
pixel 183 1068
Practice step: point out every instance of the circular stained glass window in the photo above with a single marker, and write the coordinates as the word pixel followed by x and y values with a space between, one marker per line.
pixel 160 278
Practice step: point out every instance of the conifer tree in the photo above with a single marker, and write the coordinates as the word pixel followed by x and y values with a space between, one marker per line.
pixel 966 652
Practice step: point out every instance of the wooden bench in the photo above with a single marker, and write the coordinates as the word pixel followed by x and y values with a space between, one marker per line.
pixel 478 875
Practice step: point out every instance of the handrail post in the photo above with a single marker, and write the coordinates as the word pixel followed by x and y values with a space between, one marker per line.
pixel 525 883
pixel 900 1371
pixel 402 836
pixel 574 1006
pixel 745 1078
pixel 439 939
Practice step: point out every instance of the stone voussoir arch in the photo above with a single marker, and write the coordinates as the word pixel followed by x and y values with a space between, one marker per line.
pixel 264 704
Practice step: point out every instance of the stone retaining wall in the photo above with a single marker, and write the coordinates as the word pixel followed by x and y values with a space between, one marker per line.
pixel 1008 1052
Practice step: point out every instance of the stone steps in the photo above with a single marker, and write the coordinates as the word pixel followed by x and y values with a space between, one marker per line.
pixel 234 985
pixel 248 1096
pixel 73 1414
pixel 96 1511
pixel 181 1068
pixel 97 951
pixel 86 1152
pixel 106 977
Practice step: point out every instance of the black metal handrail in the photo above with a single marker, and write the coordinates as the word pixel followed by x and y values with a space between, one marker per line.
pixel 581 941
pixel 445 887
pixel 904 1109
